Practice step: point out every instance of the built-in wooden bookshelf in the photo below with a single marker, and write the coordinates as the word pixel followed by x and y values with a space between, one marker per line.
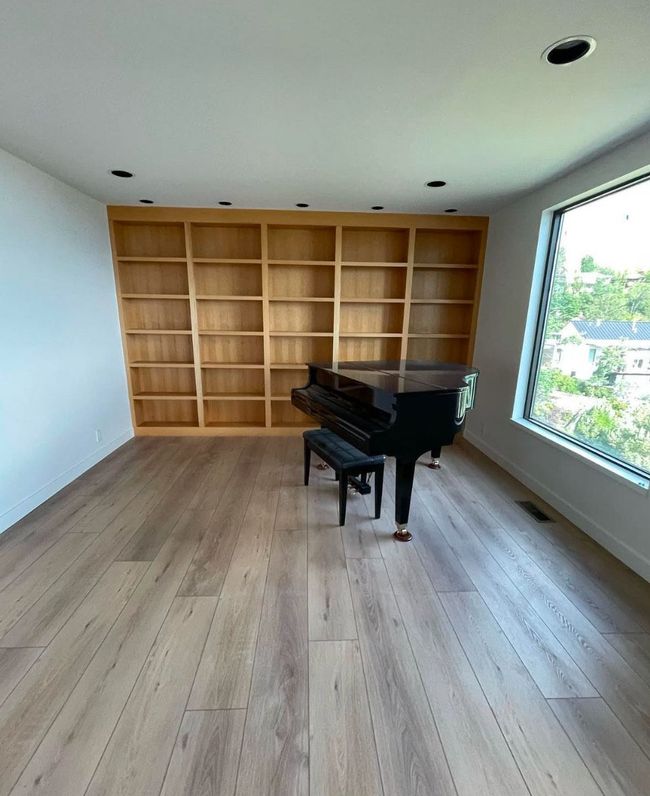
pixel 221 309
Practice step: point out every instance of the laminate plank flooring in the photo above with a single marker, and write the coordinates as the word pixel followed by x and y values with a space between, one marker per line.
pixel 615 760
pixel 330 603
pixel 549 764
pixel 27 713
pixel 275 748
pixel 224 676
pixel 635 648
pixel 186 618
pixel 550 664
pixel 14 664
pixel 343 756
pixel 137 754
pixel 206 755
pixel 66 758
pixel 479 758
pixel 411 756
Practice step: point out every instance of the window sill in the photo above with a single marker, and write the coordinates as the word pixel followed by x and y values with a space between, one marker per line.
pixel 636 482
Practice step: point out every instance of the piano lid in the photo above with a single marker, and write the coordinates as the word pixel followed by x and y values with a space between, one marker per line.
pixel 404 376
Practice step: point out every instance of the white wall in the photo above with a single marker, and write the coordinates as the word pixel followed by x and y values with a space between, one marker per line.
pixel 61 365
pixel 614 513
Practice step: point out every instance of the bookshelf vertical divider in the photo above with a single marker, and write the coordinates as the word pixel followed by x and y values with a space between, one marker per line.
pixel 266 325
pixel 476 297
pixel 196 340
pixel 336 320
pixel 221 309
pixel 408 290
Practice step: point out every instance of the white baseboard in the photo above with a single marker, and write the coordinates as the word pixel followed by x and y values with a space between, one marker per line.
pixel 635 560
pixel 17 512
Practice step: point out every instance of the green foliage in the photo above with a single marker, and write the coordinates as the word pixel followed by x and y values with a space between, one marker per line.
pixel 606 419
pixel 587 264
pixel 552 379
pixel 613 430
pixel 611 362
pixel 615 296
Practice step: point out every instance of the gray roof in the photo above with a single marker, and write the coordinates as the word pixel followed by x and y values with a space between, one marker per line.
pixel 613 330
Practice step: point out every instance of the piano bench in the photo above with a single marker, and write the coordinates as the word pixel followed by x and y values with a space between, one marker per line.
pixel 347 462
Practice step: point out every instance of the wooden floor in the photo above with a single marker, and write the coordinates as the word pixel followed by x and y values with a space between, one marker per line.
pixel 187 618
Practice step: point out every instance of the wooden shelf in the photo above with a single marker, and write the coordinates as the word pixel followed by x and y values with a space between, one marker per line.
pixel 371 334
pixel 285 415
pixel 372 301
pixel 371 264
pixel 247 412
pixel 449 266
pixel 232 365
pixel 301 243
pixel 225 261
pixel 227 424
pixel 441 336
pixel 169 424
pixel 158 331
pixel 162 364
pixel 301 334
pixel 151 259
pixel 227 396
pixel 233 332
pixel 441 301
pixel 162 396
pixel 244 300
pixel 224 242
pixel 302 262
pixel 155 296
pixel 228 298
pixel 302 298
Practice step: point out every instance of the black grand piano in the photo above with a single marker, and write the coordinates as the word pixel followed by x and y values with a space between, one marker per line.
pixel 398 408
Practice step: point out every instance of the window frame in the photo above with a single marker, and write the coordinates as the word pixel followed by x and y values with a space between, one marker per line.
pixel 541 321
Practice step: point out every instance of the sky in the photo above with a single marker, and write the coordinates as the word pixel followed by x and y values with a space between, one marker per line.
pixel 614 230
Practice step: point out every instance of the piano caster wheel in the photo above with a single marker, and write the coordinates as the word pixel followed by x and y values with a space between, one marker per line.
pixel 434 464
pixel 322 466
pixel 402 535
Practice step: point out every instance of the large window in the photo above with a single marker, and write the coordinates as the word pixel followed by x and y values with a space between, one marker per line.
pixel 590 380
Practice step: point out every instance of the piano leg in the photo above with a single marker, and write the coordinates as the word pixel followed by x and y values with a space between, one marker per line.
pixel 434 464
pixel 404 472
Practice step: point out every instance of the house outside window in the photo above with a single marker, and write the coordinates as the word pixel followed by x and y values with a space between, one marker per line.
pixel 588 383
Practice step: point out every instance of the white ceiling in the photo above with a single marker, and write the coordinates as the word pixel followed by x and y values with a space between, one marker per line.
pixel 339 103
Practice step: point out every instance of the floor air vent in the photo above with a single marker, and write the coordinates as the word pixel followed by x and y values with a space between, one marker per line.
pixel 535 512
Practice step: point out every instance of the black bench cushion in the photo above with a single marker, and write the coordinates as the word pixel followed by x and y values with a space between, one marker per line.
pixel 337 452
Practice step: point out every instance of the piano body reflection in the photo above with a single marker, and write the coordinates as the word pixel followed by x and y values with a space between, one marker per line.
pixel 398 408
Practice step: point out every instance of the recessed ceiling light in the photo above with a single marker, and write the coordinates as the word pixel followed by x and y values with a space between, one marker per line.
pixel 146 201
pixel 301 204
pixel 569 50
pixel 121 173
pixel 451 210
pixel 436 184
pixel 225 204
pixel 377 207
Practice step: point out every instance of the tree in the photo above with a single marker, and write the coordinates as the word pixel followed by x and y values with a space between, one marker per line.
pixel 610 362
pixel 587 264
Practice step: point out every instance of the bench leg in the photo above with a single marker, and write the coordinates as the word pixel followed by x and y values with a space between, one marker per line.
pixel 307 461
pixel 343 496
pixel 379 485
